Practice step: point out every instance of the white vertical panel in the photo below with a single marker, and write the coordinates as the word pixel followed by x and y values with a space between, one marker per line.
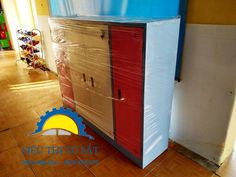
pixel 42 22
pixel 161 54
pixel 25 13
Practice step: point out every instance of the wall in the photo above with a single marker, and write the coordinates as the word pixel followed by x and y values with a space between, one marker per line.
pixel 41 9
pixel 231 134
pixel 202 116
pixel 126 8
pixel 24 11
pixel 212 12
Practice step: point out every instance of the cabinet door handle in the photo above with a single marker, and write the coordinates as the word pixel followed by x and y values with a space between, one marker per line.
pixel 92 81
pixel 119 94
pixel 84 77
pixel 103 34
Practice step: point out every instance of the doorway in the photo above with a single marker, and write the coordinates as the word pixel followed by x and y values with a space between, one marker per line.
pixel 5 41
pixel 17 14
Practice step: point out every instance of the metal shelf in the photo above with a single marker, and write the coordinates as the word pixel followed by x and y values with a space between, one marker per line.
pixel 34 59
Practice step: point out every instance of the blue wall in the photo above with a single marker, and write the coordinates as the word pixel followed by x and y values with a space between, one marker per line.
pixel 126 8
pixel 130 8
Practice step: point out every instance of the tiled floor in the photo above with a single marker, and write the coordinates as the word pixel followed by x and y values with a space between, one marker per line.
pixel 25 96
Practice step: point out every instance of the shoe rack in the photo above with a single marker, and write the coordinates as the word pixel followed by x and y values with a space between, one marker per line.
pixel 30 48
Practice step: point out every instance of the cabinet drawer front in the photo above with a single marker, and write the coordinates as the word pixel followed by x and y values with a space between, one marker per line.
pixel 127 64
pixel 61 34
pixel 88 35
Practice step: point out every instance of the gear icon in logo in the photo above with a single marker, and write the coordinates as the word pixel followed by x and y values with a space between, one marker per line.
pixel 67 112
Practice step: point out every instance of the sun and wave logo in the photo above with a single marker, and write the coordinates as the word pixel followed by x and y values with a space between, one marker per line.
pixel 62 121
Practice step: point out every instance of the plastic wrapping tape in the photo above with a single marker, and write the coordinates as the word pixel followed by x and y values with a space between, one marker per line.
pixel 85 49
pixel 118 73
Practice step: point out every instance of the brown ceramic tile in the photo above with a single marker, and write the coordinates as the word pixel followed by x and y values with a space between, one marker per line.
pixel 3 171
pixel 24 173
pixel 7 140
pixel 104 149
pixel 11 161
pixel 61 169
pixel 150 175
pixel 6 120
pixel 118 165
pixel 25 139
pixel 23 117
pixel 178 166
pixel 87 174
pixel 165 155
pixel 14 116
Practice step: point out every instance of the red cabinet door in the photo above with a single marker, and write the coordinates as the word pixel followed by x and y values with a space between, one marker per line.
pixel 127 73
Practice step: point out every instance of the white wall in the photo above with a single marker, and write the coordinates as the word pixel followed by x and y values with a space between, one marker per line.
pixel 204 99
pixel 25 13
pixel 41 20
pixel 47 44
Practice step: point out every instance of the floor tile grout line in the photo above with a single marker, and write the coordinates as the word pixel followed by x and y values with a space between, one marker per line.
pixel 31 167
pixel 9 149
pixel 151 171
pixel 93 165
pixel 92 173
pixel 105 159
pixel 26 122
pixel 74 155
pixel 100 161
pixel 161 162
pixel 21 151
pixel 4 130
pixel 215 173
pixel 23 155
pixel 18 145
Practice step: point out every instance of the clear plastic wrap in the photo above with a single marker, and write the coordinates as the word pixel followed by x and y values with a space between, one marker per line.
pixel 103 65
